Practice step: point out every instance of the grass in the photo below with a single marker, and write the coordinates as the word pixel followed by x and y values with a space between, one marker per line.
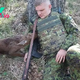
pixel 4 3
pixel 12 9
pixel 5 27
pixel 73 6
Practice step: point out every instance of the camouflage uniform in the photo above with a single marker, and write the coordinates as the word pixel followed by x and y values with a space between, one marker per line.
pixel 53 36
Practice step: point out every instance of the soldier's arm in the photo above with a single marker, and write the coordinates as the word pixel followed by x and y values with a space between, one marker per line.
pixel 71 38
pixel 71 30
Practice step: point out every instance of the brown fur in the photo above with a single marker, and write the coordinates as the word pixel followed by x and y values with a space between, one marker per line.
pixel 13 45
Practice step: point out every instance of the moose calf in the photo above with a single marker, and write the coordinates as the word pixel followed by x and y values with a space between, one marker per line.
pixel 13 45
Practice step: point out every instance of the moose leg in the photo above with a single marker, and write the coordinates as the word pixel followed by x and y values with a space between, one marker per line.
pixel 16 52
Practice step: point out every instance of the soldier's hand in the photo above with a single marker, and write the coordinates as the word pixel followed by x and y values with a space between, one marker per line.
pixel 60 57
pixel 25 57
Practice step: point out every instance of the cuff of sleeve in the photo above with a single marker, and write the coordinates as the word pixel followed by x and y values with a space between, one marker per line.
pixel 64 47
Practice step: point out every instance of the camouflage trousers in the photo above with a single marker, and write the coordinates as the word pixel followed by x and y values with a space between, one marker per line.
pixel 69 70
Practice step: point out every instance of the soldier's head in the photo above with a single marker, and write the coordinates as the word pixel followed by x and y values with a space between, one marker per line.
pixel 43 8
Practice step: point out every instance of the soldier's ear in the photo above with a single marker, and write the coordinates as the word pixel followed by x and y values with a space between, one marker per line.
pixel 50 6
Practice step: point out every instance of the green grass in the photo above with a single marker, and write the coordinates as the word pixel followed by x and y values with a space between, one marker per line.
pixel 73 6
pixel 3 3
pixel 5 27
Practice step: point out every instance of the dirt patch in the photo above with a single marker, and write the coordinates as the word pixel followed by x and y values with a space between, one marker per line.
pixel 12 68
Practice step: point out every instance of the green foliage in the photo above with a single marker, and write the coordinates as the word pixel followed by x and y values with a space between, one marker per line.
pixel 4 73
pixel 3 3
pixel 73 6
pixel 39 69
pixel 70 5
pixel 5 28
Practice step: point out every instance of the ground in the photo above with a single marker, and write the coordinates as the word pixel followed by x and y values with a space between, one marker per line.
pixel 12 68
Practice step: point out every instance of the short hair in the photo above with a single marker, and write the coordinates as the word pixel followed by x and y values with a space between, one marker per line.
pixel 38 2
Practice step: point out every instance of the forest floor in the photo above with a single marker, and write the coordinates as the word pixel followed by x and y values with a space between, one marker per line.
pixel 12 68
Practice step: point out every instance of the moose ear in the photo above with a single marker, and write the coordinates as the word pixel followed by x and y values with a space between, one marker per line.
pixel 23 42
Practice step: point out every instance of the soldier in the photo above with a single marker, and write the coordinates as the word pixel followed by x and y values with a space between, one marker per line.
pixel 57 36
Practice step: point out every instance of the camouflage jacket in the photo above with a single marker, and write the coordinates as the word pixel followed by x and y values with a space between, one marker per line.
pixel 56 32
